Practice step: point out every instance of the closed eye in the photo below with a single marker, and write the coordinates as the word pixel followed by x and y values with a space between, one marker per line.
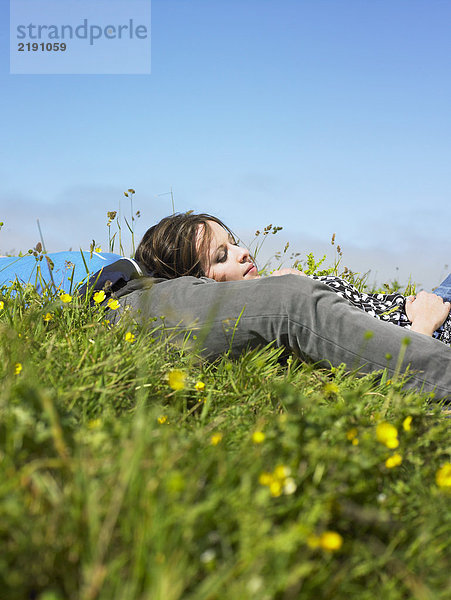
pixel 222 256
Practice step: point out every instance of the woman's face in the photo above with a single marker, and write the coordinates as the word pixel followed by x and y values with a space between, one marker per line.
pixel 224 260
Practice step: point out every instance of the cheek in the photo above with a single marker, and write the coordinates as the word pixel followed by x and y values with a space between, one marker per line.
pixel 219 273
pixel 212 272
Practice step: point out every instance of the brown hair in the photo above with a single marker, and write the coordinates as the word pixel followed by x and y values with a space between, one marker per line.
pixel 172 247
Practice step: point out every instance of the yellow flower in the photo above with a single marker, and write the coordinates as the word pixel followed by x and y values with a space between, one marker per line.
pixel 279 481
pixel 275 487
pixel 130 337
pixel 163 419
pixel 99 297
pixel 113 304
pixel 330 541
pixel 406 424
pixel 281 472
pixel 258 437
pixel 355 442
pixel 98 249
pixel 387 434
pixel 66 298
pixel 94 423
pixel 393 461
pixel 48 317
pixel 265 478
pixel 199 386
pixel 351 434
pixel 176 379
pixel 443 476
pixel 330 388
pixel 17 368
pixel 2 305
pixel 392 443
pixel 215 439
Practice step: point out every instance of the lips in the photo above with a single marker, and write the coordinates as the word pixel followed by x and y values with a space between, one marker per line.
pixel 251 269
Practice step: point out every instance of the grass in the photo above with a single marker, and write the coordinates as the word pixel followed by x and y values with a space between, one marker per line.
pixel 132 469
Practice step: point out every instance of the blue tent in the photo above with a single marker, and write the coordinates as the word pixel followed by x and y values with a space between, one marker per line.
pixel 444 289
pixel 57 271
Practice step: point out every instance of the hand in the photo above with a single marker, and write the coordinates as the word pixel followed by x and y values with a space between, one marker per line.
pixel 287 272
pixel 426 312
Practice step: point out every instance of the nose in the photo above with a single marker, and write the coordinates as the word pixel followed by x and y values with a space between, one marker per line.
pixel 243 255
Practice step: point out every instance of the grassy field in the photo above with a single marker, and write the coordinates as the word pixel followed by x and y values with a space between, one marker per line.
pixel 131 469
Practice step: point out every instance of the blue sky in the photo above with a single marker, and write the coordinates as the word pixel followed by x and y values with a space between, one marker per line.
pixel 319 116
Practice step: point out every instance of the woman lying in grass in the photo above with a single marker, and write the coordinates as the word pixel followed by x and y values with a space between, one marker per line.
pixel 202 246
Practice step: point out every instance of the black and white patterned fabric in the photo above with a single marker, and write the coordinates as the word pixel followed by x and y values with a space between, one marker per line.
pixel 386 307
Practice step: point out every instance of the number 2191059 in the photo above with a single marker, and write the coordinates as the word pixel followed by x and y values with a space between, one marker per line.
pixel 42 46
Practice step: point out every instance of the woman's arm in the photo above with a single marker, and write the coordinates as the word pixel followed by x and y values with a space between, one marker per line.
pixel 303 315
pixel 426 312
